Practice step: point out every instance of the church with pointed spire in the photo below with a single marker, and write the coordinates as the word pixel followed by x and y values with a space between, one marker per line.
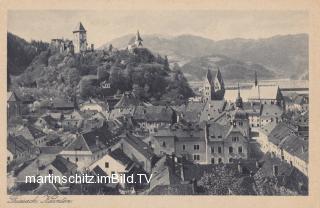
pixel 213 86
pixel 136 42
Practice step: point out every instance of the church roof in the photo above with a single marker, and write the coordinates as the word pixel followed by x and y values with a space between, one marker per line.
pixel 264 92
pixel 79 27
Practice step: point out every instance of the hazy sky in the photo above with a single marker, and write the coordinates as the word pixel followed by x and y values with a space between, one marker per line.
pixel 103 26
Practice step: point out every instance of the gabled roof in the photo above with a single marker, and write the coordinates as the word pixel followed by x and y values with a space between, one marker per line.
pixel 216 131
pixel 127 100
pixel 79 27
pixel 75 115
pixel 139 145
pixel 214 108
pixel 18 144
pixel 31 130
pixel 47 189
pixel 271 110
pixel 279 132
pixel 63 165
pixel 120 156
pixel 12 97
pixel 153 113
pixel 93 141
pixel 60 103
pixel 264 92
pixel 49 120
pixel 98 171
pixel 295 146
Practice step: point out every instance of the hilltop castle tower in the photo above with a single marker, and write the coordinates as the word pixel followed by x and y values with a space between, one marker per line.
pixel 213 88
pixel 80 38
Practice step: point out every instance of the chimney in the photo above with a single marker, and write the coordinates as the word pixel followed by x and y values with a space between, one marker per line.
pixel 275 170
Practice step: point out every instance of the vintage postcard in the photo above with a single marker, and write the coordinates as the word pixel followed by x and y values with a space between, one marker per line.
pixel 121 103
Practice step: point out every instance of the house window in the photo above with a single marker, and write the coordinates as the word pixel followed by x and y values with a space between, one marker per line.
pixel 219 160
pixel 184 147
pixel 230 160
pixel 230 149
pixel 112 172
pixel 219 149
pixel 196 157
pixel 164 144
pixel 235 139
pixel 219 136
pixel 150 143
pixel 106 165
pixel 212 149
pixel 50 171
pixel 196 147
pixel 212 160
pixel 77 159
pixel 240 149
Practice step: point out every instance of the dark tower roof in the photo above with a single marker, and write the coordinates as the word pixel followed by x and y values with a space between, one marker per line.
pixel 239 103
pixel 79 28
pixel 255 79
pixel 209 76
pixel 219 78
pixel 138 38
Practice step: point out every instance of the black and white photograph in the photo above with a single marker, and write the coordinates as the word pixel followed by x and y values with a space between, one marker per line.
pixel 157 102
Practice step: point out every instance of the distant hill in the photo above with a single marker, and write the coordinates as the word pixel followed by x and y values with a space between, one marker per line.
pixel 285 55
pixel 21 53
pixel 231 69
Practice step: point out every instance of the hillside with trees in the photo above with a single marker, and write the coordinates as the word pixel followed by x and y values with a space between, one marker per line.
pixel 55 74
pixel 21 53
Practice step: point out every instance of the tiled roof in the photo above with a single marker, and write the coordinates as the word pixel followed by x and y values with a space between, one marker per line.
pixel 188 131
pixel 93 141
pixel 269 110
pixel 60 103
pixel 252 108
pixel 33 131
pixel 216 131
pixel 127 100
pixel 47 189
pixel 264 92
pixel 296 146
pixel 212 109
pixel 279 132
pixel 75 115
pixel 139 145
pixel 63 165
pixel 49 120
pixel 18 144
pixel 98 171
pixel 153 113
pixel 119 155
